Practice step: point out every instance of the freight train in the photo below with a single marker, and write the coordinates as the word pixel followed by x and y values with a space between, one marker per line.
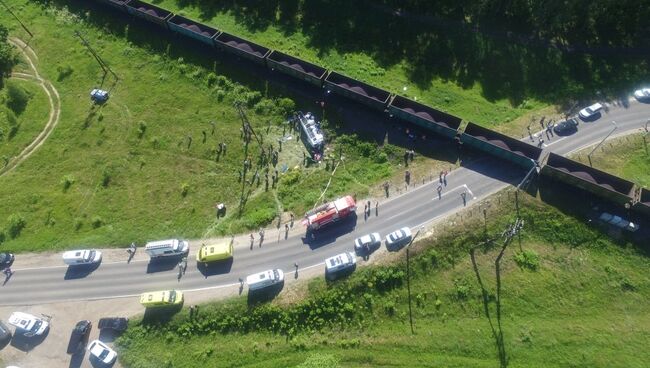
pixel 616 190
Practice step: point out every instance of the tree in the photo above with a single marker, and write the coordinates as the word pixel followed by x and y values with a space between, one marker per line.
pixel 8 57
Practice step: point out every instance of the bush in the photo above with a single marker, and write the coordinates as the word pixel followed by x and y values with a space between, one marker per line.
pixel 78 223
pixel 142 128
pixel 286 106
pixel 528 259
pixel 16 224
pixel 64 72
pixel 96 222
pixel 67 182
pixel 185 188
pixel 211 79
pixel 106 177
pixel 389 308
pixel 17 98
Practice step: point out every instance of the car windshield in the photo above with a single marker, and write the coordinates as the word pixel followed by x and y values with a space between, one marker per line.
pixel 91 256
pixel 103 354
pixel 37 325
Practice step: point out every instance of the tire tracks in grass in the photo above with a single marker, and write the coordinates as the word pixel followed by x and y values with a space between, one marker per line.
pixel 53 97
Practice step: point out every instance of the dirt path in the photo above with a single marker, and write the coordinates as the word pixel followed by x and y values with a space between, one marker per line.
pixel 52 95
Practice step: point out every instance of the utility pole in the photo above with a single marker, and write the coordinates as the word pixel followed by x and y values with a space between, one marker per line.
pixel 246 125
pixel 102 64
pixel 408 277
pixel 601 142
pixel 18 19
pixel 645 143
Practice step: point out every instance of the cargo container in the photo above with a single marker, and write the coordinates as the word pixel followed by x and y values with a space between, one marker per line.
pixel 358 91
pixel 148 12
pixel 242 47
pixel 297 68
pixel 192 29
pixel 502 146
pixel 424 116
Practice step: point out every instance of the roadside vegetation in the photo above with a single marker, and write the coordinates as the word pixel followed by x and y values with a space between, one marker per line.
pixel 146 164
pixel 485 63
pixel 569 296
pixel 626 157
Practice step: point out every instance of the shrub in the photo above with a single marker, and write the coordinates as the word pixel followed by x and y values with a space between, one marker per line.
pixel 96 222
pixel 17 98
pixel 462 289
pixel 320 360
pixel 16 224
pixel 142 128
pixel 3 236
pixel 106 177
pixel 264 107
pixel 67 182
pixel 211 79
pixel 389 308
pixel 286 106
pixel 528 259
pixel 185 188
pixel 78 223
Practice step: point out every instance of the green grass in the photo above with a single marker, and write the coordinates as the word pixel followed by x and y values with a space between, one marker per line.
pixel 124 171
pixel 625 157
pixel 30 122
pixel 582 307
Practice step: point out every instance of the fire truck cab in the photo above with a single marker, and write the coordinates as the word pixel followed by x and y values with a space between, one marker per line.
pixel 329 213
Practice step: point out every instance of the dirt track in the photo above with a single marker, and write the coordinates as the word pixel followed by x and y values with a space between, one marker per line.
pixel 52 95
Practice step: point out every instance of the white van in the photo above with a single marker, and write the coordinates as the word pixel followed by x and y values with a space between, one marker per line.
pixel 27 324
pixel 339 265
pixel 167 248
pixel 265 279
pixel 82 257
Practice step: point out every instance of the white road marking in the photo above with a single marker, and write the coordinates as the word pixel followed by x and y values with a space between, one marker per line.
pixel 445 193
pixel 470 191
pixel 553 142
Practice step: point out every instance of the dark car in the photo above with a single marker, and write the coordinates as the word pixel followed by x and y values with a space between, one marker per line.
pixel 6 259
pixel 566 127
pixel 113 323
pixel 5 335
pixel 79 336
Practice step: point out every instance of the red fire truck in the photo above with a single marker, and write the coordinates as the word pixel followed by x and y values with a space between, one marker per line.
pixel 329 213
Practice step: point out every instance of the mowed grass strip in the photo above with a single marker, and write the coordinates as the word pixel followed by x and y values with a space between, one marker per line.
pixel 579 305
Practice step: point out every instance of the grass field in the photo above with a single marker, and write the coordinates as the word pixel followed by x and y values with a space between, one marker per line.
pixel 29 120
pixel 624 156
pixel 145 165
pixel 578 302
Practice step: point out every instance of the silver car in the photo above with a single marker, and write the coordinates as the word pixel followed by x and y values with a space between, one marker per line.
pixel 398 238
pixel 367 243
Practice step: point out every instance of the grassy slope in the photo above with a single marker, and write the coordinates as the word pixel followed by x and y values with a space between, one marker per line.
pixel 468 102
pixel 31 121
pixel 625 157
pixel 166 89
pixel 584 307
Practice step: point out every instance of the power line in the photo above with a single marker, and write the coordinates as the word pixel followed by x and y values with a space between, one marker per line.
pixel 107 69
pixel 18 19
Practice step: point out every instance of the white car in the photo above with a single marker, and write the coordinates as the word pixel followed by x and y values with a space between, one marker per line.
pixel 642 94
pixel 82 257
pixel 590 111
pixel 99 350
pixel 366 243
pixel 339 265
pixel 27 324
pixel 398 238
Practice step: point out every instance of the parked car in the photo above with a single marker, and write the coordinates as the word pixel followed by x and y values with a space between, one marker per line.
pixel 113 323
pixel 165 298
pixel 102 352
pixel 591 111
pixel 82 257
pixel 264 280
pixel 79 336
pixel 6 259
pixel 642 94
pixel 398 238
pixel 99 96
pixel 566 127
pixel 5 335
pixel 27 324
pixel 340 265
pixel 368 241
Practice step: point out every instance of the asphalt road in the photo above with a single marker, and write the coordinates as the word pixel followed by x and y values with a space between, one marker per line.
pixel 413 208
